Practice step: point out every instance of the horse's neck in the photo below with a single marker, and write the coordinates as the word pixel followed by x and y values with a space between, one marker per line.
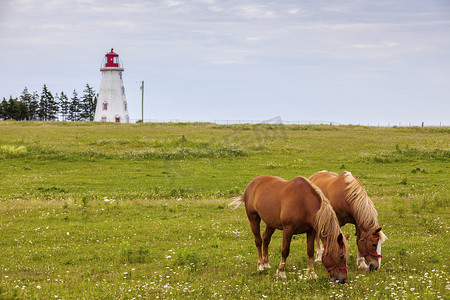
pixel 363 212
pixel 364 223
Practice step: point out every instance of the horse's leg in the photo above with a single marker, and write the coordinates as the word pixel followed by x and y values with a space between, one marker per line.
pixel 310 237
pixel 361 261
pixel 319 252
pixel 287 236
pixel 255 221
pixel 266 241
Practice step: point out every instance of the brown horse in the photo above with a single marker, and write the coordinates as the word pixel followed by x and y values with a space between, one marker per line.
pixel 352 205
pixel 296 207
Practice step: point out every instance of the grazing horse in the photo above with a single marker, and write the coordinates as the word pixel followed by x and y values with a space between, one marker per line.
pixel 295 207
pixel 352 205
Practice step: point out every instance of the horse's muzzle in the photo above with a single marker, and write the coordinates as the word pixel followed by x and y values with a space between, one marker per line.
pixel 339 280
pixel 373 267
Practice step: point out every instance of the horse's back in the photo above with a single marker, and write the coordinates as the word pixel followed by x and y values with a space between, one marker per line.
pixel 257 186
pixel 279 202
pixel 323 179
pixel 329 182
pixel 259 198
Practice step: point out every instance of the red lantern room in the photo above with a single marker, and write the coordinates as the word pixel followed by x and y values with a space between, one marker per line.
pixel 112 59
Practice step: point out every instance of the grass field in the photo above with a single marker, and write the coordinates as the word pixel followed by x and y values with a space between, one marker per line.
pixel 141 210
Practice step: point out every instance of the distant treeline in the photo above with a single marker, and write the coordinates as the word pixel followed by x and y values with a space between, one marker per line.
pixel 49 107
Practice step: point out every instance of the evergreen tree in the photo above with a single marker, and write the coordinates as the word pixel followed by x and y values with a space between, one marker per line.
pixel 44 104
pixel 48 107
pixel 74 107
pixel 53 107
pixel 33 107
pixel 21 110
pixel 64 105
pixel 3 106
pixel 57 104
pixel 13 109
pixel 88 104
pixel 26 98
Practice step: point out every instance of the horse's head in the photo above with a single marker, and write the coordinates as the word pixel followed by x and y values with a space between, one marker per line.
pixel 336 261
pixel 369 246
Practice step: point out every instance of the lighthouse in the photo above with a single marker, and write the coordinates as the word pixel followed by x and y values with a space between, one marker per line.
pixel 111 101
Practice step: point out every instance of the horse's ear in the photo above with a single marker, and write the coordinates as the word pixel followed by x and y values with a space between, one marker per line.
pixel 340 239
pixel 382 237
pixel 377 230
pixel 347 236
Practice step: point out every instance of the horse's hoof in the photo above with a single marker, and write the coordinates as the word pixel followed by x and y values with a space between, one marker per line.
pixel 312 276
pixel 267 266
pixel 281 275
pixel 362 267
pixel 260 268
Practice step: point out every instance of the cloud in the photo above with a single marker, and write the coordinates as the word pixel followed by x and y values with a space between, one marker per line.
pixel 385 44
pixel 298 47
pixel 174 3
pixel 254 11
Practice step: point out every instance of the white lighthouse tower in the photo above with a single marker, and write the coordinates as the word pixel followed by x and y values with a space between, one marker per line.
pixel 111 101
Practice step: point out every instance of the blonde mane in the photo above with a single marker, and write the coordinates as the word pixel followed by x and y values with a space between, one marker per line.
pixel 365 213
pixel 326 223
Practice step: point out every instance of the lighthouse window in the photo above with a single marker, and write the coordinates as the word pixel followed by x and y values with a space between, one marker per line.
pixel 105 105
pixel 104 119
pixel 116 60
pixel 125 105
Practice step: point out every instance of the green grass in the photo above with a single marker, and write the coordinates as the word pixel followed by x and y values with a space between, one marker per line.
pixel 141 211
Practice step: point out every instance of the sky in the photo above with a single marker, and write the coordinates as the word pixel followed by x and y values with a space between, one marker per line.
pixel 349 62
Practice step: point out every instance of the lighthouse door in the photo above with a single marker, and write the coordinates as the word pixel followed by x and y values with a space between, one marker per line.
pixel 117 119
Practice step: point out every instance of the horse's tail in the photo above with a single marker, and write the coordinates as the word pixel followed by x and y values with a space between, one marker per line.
pixel 237 201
